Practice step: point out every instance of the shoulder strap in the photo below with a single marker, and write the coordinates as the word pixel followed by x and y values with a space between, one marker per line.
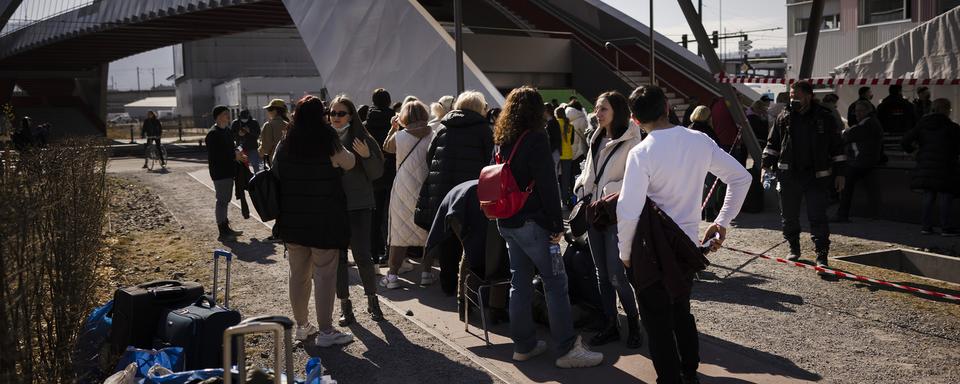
pixel 409 153
pixel 517 145
pixel 596 180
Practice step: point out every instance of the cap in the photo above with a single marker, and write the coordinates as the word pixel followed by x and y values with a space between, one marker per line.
pixel 276 103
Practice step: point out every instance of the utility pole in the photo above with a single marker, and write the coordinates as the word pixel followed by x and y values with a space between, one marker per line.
pixel 700 15
pixel 726 90
pixel 138 79
pixel 458 36
pixel 153 71
pixel 653 48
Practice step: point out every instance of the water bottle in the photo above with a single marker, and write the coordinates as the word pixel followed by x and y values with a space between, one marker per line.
pixel 769 180
pixel 556 259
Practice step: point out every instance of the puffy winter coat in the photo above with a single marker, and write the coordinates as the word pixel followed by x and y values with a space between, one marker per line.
pixel 939 140
pixel 457 153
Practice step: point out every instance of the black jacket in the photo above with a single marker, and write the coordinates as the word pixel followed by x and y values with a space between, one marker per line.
pixel 534 162
pixel 921 108
pixel 852 111
pixel 896 114
pixel 220 153
pixel 459 150
pixel 556 138
pixel 700 126
pixel 868 138
pixel 827 156
pixel 313 206
pixel 378 124
pixel 939 140
pixel 460 215
pixel 151 128
pixel 249 141
pixel 663 252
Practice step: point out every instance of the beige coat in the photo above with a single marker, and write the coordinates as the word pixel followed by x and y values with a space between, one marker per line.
pixel 270 136
pixel 612 178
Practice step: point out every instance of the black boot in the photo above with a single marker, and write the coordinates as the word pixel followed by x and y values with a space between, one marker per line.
pixel 634 336
pixel 373 308
pixel 794 250
pixel 226 226
pixel 225 233
pixel 609 334
pixel 346 315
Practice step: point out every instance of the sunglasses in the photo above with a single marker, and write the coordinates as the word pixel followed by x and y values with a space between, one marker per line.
pixel 338 113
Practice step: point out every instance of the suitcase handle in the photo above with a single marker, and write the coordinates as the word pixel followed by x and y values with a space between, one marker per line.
pixel 282 320
pixel 205 299
pixel 287 334
pixel 217 254
pixel 161 284
pixel 243 329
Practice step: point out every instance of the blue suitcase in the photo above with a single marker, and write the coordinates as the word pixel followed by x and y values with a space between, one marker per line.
pixel 198 328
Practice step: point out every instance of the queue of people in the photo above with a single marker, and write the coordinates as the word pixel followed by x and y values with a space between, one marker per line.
pixel 329 161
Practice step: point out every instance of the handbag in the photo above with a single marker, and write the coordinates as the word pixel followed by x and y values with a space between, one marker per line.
pixel 582 215
pixel 500 196
pixel 603 212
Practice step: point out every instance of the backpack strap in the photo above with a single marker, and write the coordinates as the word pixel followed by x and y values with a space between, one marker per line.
pixel 517 145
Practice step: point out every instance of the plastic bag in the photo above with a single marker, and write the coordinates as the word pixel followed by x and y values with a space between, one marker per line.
pixel 170 358
pixel 125 376
pixel 161 375
pixel 314 371
pixel 91 353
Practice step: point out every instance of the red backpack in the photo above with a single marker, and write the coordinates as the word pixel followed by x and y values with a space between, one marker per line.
pixel 499 195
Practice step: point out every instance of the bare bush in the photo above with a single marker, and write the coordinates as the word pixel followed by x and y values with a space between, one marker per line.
pixel 53 205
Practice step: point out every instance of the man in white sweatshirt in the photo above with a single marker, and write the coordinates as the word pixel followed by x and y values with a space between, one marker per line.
pixel 669 166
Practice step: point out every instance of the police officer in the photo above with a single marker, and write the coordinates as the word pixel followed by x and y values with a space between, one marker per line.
pixel 806 151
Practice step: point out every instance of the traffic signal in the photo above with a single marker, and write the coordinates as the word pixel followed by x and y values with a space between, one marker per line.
pixel 683 40
pixel 716 39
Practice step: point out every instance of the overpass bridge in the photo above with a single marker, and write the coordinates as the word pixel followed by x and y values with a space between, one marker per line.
pixel 61 63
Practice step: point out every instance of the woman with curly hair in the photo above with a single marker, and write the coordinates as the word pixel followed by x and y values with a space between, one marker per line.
pixel 531 233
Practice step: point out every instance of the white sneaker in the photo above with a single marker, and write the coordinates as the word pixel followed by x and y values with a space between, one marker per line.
pixel 536 351
pixel 390 281
pixel 579 357
pixel 405 267
pixel 304 331
pixel 427 278
pixel 334 337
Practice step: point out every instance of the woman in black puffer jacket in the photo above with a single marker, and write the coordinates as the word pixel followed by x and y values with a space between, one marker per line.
pixel 459 150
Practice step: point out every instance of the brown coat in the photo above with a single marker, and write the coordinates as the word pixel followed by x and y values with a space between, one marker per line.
pixel 270 136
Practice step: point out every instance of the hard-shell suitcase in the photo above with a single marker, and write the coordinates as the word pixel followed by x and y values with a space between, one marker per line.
pixel 137 309
pixel 280 327
pixel 198 327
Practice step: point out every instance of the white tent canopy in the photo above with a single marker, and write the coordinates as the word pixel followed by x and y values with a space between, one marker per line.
pixel 929 51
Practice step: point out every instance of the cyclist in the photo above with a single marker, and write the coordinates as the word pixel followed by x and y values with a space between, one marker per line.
pixel 152 130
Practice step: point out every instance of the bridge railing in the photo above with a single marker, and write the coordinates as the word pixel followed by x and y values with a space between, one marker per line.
pixel 31 12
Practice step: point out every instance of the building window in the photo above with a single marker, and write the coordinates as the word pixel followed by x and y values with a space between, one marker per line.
pixel 881 11
pixel 830 22
pixel 946 5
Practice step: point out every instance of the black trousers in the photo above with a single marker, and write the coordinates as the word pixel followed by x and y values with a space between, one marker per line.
pixel 857 175
pixel 378 228
pixel 793 190
pixel 672 331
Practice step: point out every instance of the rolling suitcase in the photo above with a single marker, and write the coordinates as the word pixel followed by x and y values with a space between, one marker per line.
pixel 281 327
pixel 198 327
pixel 137 309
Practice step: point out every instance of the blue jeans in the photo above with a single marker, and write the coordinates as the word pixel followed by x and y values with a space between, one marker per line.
pixel 254 157
pixel 529 250
pixel 611 273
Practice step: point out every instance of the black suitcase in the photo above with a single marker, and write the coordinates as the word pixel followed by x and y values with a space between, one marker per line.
pixel 198 328
pixel 137 309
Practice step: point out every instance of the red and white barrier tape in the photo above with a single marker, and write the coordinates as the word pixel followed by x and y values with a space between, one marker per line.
pixel 717 180
pixel 850 275
pixel 836 81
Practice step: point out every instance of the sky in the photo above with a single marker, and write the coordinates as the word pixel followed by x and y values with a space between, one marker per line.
pixel 737 15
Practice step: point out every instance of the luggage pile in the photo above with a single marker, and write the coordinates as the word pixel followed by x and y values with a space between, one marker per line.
pixel 170 332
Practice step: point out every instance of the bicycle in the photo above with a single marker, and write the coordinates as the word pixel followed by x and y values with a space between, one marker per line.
pixel 155 152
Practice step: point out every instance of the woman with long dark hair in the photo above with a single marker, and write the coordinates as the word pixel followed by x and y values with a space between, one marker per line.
pixel 358 185
pixel 533 234
pixel 603 176
pixel 309 163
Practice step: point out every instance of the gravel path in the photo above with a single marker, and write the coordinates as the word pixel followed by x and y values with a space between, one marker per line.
pixel 394 351
pixel 833 331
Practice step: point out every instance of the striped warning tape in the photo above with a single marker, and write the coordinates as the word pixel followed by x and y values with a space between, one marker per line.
pixel 836 81
pixel 850 275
